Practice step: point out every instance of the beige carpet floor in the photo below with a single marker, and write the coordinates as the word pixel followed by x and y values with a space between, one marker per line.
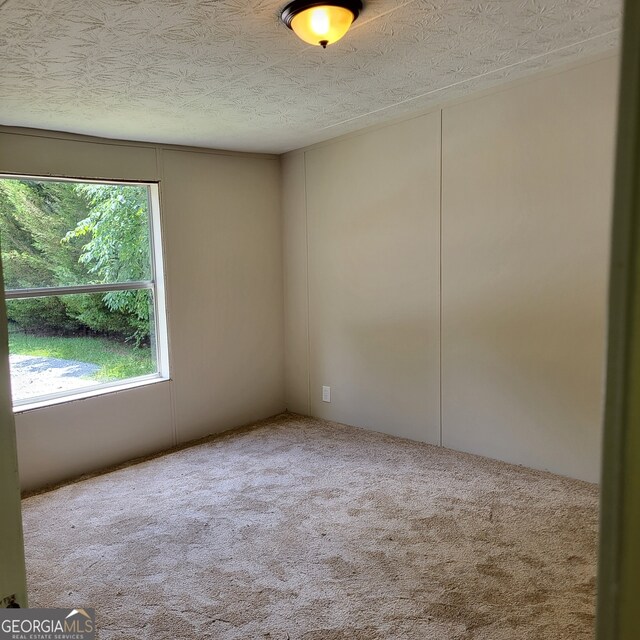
pixel 309 530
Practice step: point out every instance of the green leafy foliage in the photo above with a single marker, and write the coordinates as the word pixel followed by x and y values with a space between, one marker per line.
pixel 34 217
pixel 65 233
pixel 116 233
pixel 49 315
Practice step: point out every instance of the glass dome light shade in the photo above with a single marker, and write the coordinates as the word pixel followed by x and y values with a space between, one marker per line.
pixel 322 25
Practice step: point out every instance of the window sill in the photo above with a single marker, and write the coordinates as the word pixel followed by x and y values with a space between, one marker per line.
pixel 88 393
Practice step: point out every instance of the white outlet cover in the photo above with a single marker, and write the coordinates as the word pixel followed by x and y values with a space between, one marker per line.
pixel 326 394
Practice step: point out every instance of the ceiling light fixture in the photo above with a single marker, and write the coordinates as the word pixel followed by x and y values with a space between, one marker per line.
pixel 321 23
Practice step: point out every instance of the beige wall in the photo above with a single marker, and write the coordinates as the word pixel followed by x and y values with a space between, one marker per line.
pixel 296 301
pixel 526 194
pixel 373 239
pixel 222 240
pixel 224 279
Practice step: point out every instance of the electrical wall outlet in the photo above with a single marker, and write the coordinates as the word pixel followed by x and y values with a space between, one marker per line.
pixel 326 394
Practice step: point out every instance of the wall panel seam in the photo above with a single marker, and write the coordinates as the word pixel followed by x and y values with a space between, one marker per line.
pixel 440 279
pixel 167 294
pixel 306 234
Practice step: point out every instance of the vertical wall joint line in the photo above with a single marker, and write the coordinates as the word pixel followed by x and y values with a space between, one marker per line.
pixel 306 234
pixel 440 275
pixel 167 293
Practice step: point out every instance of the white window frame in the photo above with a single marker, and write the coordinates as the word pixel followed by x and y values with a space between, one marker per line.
pixel 156 285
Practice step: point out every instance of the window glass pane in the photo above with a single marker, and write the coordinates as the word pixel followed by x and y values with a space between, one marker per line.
pixel 70 342
pixel 58 233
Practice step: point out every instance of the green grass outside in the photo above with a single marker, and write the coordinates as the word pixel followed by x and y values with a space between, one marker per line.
pixel 116 360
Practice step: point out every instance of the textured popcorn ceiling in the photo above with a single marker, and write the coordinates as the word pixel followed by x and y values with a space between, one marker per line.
pixel 228 74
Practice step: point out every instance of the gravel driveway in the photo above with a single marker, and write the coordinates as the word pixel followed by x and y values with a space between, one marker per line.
pixel 33 376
